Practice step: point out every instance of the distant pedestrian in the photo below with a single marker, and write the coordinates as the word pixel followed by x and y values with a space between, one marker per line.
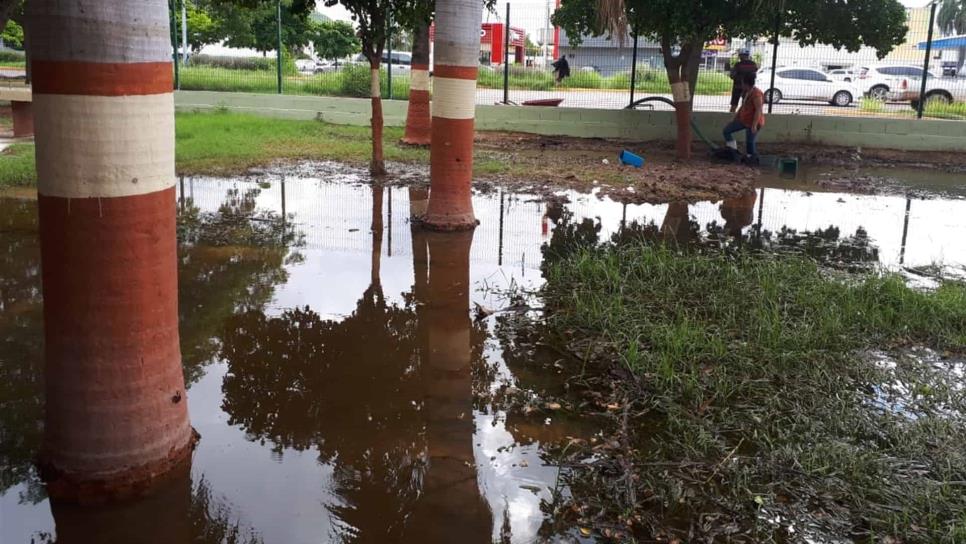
pixel 750 118
pixel 561 68
pixel 744 66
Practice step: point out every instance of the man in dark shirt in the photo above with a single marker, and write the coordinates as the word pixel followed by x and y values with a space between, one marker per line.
pixel 561 68
pixel 743 66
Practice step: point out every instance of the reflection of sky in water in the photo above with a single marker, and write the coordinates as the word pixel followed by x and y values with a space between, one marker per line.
pixel 283 495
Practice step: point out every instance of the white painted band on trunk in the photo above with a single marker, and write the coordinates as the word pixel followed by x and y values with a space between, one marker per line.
pixel 374 91
pixel 457 40
pixel 680 91
pixel 104 146
pixel 454 98
pixel 419 80
pixel 124 31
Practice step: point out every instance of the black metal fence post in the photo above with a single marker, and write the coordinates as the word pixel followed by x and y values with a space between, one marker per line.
pixel 278 43
pixel 389 54
pixel 925 64
pixel 506 56
pixel 774 56
pixel 173 4
pixel 633 69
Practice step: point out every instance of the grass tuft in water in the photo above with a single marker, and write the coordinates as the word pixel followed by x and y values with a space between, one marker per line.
pixel 748 401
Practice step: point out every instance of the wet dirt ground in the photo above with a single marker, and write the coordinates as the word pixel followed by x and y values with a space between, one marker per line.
pixel 345 371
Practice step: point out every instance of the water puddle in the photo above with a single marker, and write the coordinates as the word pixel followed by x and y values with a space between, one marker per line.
pixel 345 369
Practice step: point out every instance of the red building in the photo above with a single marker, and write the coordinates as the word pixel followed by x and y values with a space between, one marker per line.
pixel 491 43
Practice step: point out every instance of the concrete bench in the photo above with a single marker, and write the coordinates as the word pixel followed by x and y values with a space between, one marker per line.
pixel 20 99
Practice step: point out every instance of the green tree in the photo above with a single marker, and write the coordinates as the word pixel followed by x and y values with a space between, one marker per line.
pixel 682 28
pixel 372 19
pixel 203 29
pixel 335 40
pixel 12 35
pixel 254 24
pixel 952 20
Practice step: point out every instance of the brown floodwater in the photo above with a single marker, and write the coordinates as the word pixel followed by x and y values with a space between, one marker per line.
pixel 346 374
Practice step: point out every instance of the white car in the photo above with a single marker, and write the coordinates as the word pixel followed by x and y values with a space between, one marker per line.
pixel 402 61
pixel 841 74
pixel 794 83
pixel 878 80
pixel 940 90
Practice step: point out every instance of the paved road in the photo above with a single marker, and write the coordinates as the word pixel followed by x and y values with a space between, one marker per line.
pixel 608 99
pixel 11 73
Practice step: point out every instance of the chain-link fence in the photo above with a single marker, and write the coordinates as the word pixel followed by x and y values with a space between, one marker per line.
pixel 522 54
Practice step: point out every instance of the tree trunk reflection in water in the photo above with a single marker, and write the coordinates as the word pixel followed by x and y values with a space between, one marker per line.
pixel 451 503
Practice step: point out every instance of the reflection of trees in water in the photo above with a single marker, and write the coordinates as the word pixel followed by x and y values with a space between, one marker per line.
pixel 230 261
pixel 384 395
pixel 21 351
pixel 349 388
pixel 827 246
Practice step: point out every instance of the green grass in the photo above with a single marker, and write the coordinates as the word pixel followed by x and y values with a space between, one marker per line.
pixel 353 81
pixel 750 399
pixel 955 110
pixel 347 82
pixel 17 166
pixel 225 143
pixel 871 105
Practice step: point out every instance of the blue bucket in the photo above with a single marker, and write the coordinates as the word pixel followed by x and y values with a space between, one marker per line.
pixel 630 159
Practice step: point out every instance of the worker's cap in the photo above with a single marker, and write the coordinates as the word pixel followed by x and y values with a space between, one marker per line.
pixel 744 52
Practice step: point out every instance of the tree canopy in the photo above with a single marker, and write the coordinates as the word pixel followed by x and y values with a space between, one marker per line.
pixel 334 39
pixel 952 17
pixel 880 24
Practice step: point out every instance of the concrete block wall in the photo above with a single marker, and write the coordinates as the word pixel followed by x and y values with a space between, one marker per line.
pixel 642 125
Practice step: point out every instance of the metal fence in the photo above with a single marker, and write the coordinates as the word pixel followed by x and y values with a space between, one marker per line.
pixel 519 45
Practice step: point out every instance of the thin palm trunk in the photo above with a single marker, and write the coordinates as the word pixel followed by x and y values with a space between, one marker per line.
pixel 117 416
pixel 418 119
pixel 454 108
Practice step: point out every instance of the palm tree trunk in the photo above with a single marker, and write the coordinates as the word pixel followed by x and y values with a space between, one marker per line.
pixel 418 120
pixel 117 416
pixel 377 167
pixel 454 108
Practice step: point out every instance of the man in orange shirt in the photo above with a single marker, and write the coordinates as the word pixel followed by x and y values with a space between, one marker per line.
pixel 750 117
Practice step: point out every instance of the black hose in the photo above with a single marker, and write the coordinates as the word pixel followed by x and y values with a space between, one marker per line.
pixel 668 101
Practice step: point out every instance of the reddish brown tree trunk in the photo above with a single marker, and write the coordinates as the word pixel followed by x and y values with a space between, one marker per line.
pixel 116 415
pixel 377 166
pixel 418 120
pixel 454 110
pixel 682 72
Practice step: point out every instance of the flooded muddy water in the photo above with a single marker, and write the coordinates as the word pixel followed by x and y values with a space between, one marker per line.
pixel 345 371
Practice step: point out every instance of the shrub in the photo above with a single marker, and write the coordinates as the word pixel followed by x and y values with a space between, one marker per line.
pixel 11 55
pixel 355 80
pixel 584 80
pixel 234 63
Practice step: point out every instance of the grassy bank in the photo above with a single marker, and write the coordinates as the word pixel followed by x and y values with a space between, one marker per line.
pixel 354 81
pixel 223 143
pixel 17 167
pixel 743 407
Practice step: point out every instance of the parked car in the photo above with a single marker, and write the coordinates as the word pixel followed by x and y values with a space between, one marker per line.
pixel 306 66
pixel 402 61
pixel 841 74
pixel 941 90
pixel 878 80
pixel 794 83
